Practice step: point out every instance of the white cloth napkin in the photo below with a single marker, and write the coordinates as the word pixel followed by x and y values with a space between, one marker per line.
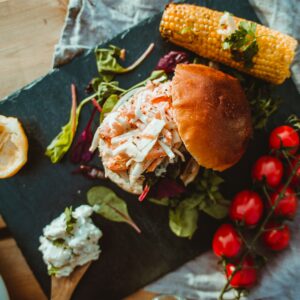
pixel 90 22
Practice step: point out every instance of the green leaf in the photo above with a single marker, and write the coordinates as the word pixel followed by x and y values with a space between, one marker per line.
pixel 62 142
pixel 106 89
pixel 242 43
pixel 106 59
pixel 184 218
pixel 70 220
pixel 248 27
pixel 163 201
pixel 209 198
pixel 107 204
pixel 262 109
pixel 108 106
pixel 218 210
pixel 108 65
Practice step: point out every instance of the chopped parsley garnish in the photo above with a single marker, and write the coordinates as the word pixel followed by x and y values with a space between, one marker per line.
pixel 70 220
pixel 242 43
pixel 59 243
pixel 52 271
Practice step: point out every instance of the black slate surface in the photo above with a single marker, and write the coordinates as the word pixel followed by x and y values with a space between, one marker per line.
pixel 41 190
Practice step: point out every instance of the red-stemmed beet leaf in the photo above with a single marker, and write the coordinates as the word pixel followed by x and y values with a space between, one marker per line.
pixel 80 151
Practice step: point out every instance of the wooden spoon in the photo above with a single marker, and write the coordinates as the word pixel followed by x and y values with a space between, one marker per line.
pixel 62 288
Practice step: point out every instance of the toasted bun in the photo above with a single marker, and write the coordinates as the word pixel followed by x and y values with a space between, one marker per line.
pixel 212 114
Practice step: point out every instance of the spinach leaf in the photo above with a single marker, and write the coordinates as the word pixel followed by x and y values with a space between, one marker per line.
pixel 184 218
pixel 107 204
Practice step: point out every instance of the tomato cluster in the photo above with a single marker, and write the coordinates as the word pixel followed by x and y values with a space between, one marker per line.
pixel 262 212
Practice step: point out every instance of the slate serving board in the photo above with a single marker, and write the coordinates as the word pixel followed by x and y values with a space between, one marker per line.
pixel 41 191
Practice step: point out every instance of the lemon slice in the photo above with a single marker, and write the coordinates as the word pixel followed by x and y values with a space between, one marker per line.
pixel 13 146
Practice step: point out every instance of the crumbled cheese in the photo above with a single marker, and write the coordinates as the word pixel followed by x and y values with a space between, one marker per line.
pixel 63 251
pixel 227 25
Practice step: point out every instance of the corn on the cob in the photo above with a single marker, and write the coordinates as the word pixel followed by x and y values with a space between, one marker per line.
pixel 196 28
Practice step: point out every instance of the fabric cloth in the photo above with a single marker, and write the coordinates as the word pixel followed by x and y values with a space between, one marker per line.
pixel 90 22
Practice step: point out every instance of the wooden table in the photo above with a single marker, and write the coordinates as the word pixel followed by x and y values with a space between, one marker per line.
pixel 29 29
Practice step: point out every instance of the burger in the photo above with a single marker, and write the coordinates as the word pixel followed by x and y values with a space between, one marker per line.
pixel 199 118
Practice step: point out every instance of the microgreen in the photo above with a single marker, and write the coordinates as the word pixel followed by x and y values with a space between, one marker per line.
pixel 262 102
pixel 108 65
pixel 242 43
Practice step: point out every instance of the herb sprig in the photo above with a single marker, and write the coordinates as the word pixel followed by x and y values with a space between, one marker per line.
pixel 263 103
pixel 242 43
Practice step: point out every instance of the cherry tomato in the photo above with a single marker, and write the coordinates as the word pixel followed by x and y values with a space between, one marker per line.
pixel 244 278
pixel 226 241
pixel 287 206
pixel 284 136
pixel 268 168
pixel 246 207
pixel 277 236
pixel 296 177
